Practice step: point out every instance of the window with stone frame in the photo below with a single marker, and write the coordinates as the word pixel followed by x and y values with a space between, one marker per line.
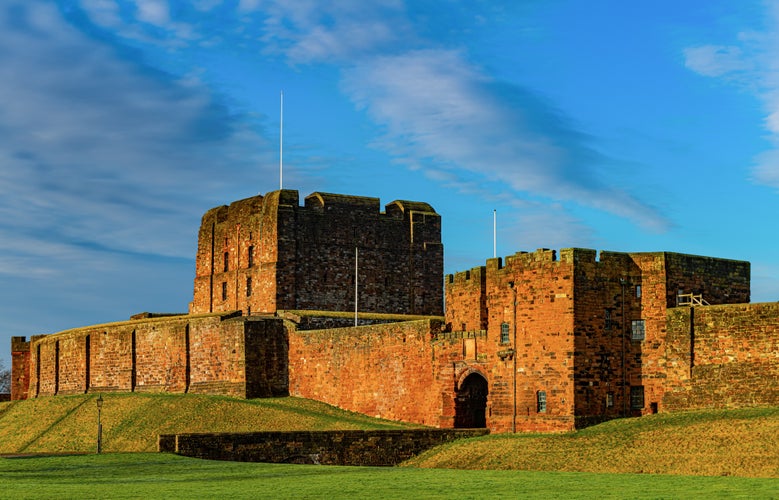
pixel 636 397
pixel 541 401
pixel 637 329
pixel 505 337
pixel 609 400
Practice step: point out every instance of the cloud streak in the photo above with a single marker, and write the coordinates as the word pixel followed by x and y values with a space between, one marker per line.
pixel 751 64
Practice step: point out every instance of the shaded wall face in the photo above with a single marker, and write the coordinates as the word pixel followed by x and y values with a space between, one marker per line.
pixel 399 261
pixel 719 281
pixel 723 356
pixel 611 293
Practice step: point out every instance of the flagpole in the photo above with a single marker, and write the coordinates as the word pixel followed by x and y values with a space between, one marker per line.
pixel 281 143
pixel 494 233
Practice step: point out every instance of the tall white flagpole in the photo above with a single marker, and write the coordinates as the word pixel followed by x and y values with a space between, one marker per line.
pixel 494 233
pixel 281 144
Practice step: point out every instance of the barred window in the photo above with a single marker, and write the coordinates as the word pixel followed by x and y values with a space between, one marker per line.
pixel 607 319
pixel 637 329
pixel 541 401
pixel 636 397
pixel 504 333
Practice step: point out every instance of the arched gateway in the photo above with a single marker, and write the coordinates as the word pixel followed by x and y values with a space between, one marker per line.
pixel 470 403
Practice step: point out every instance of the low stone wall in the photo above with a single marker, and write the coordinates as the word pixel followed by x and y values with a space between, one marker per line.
pixel 348 447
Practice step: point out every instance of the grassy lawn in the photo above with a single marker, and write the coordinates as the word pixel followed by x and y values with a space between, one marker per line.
pixel 147 475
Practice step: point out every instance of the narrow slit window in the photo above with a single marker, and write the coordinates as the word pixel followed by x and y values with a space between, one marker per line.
pixel 224 290
pixel 250 257
pixel 504 333
pixel 638 329
pixel 249 286
pixel 541 401
pixel 226 261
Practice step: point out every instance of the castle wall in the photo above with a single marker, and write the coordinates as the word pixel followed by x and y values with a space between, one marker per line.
pixel 20 368
pixel 722 356
pixel 719 281
pixel 206 354
pixel 607 362
pixel 303 257
pixel 388 371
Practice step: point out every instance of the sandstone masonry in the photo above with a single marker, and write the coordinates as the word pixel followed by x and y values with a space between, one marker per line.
pixel 543 341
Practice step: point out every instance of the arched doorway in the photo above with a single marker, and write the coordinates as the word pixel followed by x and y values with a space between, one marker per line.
pixel 470 403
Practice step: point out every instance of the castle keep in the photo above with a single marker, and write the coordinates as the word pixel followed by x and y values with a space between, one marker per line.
pixel 540 341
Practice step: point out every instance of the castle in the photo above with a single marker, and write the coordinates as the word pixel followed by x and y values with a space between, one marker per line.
pixel 338 301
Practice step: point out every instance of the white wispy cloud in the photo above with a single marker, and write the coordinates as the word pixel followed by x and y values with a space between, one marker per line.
pixel 100 152
pixel 752 65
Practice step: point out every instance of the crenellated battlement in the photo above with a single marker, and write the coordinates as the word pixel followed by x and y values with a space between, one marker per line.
pixel 266 253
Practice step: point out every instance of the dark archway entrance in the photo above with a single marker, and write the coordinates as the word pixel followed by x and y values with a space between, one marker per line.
pixel 470 403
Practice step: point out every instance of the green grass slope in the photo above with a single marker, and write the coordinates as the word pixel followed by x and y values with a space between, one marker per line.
pixel 742 442
pixel 132 422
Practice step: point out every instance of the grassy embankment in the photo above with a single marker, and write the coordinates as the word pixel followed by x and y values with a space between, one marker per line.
pixel 132 422
pixel 741 442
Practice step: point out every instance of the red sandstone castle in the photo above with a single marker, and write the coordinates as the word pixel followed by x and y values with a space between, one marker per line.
pixel 541 341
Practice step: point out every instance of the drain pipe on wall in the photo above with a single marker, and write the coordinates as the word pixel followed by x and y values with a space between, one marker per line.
pixel 514 357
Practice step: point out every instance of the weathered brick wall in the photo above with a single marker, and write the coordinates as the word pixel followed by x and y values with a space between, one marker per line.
pixel 533 296
pixel 385 371
pixel 217 354
pixel 466 300
pixel 722 356
pixel 720 281
pixel 20 368
pixel 348 447
pixel 607 361
pixel 303 257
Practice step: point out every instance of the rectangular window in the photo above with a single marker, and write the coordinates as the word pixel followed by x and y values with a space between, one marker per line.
pixel 637 329
pixel 607 319
pixel 609 399
pixel 638 291
pixel 224 290
pixel 636 397
pixel 541 401
pixel 504 333
pixel 227 259
pixel 251 257
pixel 249 286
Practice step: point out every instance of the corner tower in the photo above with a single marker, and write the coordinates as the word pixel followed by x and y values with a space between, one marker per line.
pixel 267 253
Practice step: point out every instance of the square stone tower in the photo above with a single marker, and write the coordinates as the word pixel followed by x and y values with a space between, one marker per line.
pixel 267 253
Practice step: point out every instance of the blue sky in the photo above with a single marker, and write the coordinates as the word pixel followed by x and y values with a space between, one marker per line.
pixel 613 125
